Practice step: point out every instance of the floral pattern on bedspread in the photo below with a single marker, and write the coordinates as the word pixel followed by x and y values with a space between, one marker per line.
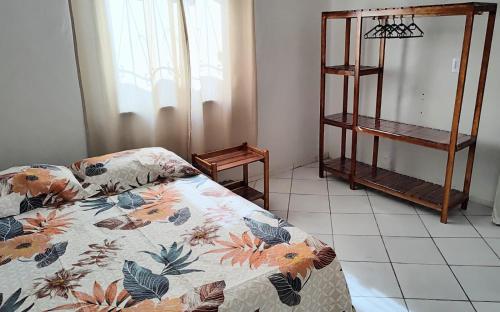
pixel 188 245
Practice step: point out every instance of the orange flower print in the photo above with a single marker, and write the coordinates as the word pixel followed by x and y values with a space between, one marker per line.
pixel 24 246
pixel 52 224
pixel 32 181
pixel 59 188
pixel 60 284
pixel 165 305
pixel 294 259
pixel 161 195
pixel 68 195
pixel 159 203
pixel 202 234
pixel 155 213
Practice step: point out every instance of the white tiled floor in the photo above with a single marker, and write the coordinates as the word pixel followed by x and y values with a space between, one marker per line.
pixel 396 256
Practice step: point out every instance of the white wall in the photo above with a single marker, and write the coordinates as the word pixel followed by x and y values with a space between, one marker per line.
pixel 41 116
pixel 288 67
pixel 419 88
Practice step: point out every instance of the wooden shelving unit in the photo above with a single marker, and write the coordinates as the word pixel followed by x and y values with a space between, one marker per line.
pixel 438 197
pixel 239 156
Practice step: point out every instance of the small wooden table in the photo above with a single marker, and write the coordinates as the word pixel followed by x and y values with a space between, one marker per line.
pixel 212 163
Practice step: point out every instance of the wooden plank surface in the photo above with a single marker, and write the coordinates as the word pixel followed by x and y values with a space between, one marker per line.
pixel 348 70
pixel 426 10
pixel 425 136
pixel 248 193
pixel 415 190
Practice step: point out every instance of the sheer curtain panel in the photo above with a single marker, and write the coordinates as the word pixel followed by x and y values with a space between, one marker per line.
pixel 170 73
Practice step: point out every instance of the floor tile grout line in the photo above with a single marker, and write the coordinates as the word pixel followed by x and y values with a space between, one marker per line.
pixel 481 235
pixel 489 245
pixel 290 195
pixel 330 207
pixel 388 257
pixel 420 214
pixel 314 194
pixel 428 264
pixel 446 261
pixel 426 299
pixel 405 236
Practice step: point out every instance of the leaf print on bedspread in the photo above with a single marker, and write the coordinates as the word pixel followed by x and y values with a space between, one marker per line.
pixel 99 254
pixel 111 188
pixel 100 300
pixel 95 170
pixel 239 250
pixel 142 284
pixel 180 216
pixel 269 234
pixel 325 256
pixel 101 204
pixel 288 288
pixel 12 304
pixel 324 253
pixel 122 222
pixel 206 298
pixel 129 200
pixel 51 254
pixel 31 203
pixel 10 228
pixel 172 260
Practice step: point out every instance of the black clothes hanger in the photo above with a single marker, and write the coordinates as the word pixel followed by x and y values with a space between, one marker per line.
pixel 394 30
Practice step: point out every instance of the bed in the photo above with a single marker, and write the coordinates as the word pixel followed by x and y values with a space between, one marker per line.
pixel 186 244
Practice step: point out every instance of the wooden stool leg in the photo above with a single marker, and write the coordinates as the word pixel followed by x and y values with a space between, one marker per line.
pixel 214 172
pixel 266 180
pixel 245 174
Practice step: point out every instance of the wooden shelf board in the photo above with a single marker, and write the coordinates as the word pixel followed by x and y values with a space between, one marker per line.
pixel 424 136
pixel 231 158
pixel 415 190
pixel 427 10
pixel 348 70
pixel 244 191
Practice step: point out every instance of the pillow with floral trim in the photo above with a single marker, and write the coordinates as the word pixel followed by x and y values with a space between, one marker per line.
pixel 29 187
pixel 115 173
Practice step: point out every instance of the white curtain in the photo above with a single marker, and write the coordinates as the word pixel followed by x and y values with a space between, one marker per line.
pixel 171 73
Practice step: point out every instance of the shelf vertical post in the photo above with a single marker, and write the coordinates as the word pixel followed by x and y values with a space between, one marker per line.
pixel 378 106
pixel 346 83
pixel 355 106
pixel 479 103
pixel 322 98
pixel 266 179
pixel 469 22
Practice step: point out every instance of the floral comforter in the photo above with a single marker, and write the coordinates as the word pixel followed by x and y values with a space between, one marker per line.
pixel 188 245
